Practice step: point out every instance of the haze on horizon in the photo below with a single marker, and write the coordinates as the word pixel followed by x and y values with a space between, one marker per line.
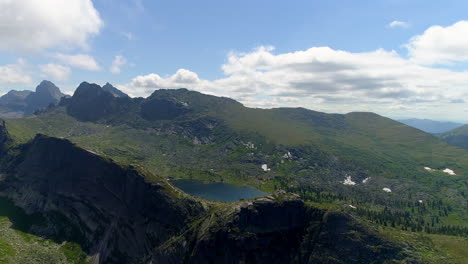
pixel 394 58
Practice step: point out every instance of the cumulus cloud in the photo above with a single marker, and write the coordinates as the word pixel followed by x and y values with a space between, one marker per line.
pixel 396 24
pixel 81 61
pixel 29 25
pixel 324 79
pixel 117 64
pixel 57 72
pixel 144 85
pixel 440 45
pixel 15 73
pixel 319 78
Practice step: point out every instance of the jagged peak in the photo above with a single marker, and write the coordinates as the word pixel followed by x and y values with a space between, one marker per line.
pixel 113 90
pixel 49 88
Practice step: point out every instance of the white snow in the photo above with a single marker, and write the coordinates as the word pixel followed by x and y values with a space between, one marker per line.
pixel 352 206
pixel 387 190
pixel 429 169
pixel 287 155
pixel 265 167
pixel 348 181
pixel 449 171
pixel 366 180
pixel 420 201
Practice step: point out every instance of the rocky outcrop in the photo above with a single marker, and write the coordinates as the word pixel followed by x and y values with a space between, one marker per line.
pixel 119 215
pixel 277 230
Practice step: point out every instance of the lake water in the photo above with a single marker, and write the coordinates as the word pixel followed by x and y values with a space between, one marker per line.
pixel 217 191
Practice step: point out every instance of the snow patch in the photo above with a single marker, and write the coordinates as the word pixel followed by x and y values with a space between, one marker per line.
pixel 265 167
pixel 420 201
pixel 352 206
pixel 387 190
pixel 429 169
pixel 348 181
pixel 449 171
pixel 366 180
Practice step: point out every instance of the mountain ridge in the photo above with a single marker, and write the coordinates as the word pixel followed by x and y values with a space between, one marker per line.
pixel 431 126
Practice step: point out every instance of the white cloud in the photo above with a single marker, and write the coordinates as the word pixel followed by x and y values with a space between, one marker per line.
pixel 118 62
pixel 400 24
pixel 127 35
pixel 144 85
pixel 81 61
pixel 324 79
pixel 31 25
pixel 440 45
pixel 57 72
pixel 15 73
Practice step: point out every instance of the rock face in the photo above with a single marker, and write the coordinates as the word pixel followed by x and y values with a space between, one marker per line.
pixel 119 215
pixel 4 136
pixel 276 231
pixel 114 91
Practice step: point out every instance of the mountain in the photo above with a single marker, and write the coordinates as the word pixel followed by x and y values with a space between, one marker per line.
pixel 430 126
pixel 123 214
pixel 344 187
pixel 114 91
pixel 16 104
pixel 13 103
pixel 456 137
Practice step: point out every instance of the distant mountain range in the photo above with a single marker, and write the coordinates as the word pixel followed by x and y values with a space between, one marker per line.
pixel 16 104
pixel 430 126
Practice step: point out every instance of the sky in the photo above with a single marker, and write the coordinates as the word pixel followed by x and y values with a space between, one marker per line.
pixel 397 58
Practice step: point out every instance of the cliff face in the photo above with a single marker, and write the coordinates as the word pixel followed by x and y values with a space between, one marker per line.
pixel 120 215
pixel 272 230
pixel 4 136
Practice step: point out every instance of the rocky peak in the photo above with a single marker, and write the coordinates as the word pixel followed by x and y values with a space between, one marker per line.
pixel 114 91
pixel 91 103
pixel 47 88
pixel 88 90
pixel 46 93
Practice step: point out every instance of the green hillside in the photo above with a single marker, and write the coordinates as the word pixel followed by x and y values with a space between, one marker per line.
pixel 217 139
pixel 457 137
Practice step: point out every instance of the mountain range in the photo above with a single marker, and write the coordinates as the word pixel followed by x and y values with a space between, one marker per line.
pixel 92 176
pixel 23 103
pixel 431 126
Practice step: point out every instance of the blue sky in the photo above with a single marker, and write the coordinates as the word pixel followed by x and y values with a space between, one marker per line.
pixel 225 48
